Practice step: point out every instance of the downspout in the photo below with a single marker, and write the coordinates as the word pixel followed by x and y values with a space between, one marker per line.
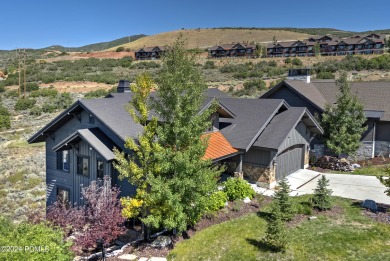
pixel 373 140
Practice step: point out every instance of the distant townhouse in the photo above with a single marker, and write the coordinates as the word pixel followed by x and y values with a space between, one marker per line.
pixel 149 53
pixel 328 45
pixel 232 50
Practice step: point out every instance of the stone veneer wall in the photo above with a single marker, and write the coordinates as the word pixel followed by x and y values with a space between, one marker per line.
pixel 306 159
pixel 382 147
pixel 262 175
pixel 365 150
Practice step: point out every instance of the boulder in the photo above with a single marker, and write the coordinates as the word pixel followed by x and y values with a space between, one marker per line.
pixel 333 163
pixel 161 241
pixel 247 200
pixel 370 204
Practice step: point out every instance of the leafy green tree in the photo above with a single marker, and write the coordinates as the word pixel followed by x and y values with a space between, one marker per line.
pixel 275 235
pixel 283 201
pixel 317 50
pixel 185 181
pixel 344 123
pixel 142 167
pixel 321 196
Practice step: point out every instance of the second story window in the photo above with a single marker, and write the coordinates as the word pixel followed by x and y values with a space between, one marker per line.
pixel 83 165
pixel 63 158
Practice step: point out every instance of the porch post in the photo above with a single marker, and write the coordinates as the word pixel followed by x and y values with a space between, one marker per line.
pixel 239 167
pixel 373 139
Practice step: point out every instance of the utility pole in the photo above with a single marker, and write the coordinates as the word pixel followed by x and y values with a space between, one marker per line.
pixel 24 66
pixel 19 72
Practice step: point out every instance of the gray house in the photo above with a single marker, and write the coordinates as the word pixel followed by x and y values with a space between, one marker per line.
pixel 266 139
pixel 314 95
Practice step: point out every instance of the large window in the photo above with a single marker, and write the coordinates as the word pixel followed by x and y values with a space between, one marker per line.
pixel 100 169
pixel 63 158
pixel 83 165
pixel 63 195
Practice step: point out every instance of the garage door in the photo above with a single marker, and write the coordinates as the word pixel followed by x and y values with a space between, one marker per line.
pixel 289 161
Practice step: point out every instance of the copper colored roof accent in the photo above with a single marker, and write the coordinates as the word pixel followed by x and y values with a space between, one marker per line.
pixel 218 146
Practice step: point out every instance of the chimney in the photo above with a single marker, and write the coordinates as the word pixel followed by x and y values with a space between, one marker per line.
pixel 123 86
pixel 299 74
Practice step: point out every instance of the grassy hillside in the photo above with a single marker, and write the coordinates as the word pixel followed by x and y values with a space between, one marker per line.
pixel 96 46
pixel 202 38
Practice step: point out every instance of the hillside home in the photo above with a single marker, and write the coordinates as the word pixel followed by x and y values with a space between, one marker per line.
pixel 369 44
pixel 232 50
pixel 149 53
pixel 299 91
pixel 265 139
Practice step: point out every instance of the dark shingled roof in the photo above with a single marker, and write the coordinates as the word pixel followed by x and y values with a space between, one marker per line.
pixel 281 125
pixel 94 137
pixel 252 116
pixel 374 95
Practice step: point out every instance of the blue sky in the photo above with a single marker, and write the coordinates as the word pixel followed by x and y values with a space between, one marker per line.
pixel 41 23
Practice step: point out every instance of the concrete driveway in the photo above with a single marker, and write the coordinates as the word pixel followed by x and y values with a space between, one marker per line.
pixel 347 186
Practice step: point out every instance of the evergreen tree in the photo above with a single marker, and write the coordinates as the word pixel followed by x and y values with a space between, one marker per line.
pixel 186 180
pixel 275 235
pixel 344 123
pixel 321 196
pixel 282 199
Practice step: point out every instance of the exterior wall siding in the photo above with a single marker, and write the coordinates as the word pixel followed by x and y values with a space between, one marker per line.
pixel 71 180
pixel 257 156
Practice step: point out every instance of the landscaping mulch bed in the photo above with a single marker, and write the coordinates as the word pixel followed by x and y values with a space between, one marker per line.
pixel 382 215
pixel 232 211
pixel 375 161
pixel 335 211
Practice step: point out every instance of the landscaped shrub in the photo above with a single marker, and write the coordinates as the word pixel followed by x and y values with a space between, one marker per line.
pixel 217 200
pixel 321 196
pixel 99 218
pixel 275 235
pixel 236 188
pixel 282 199
pixel 48 242
pixel 5 120
pixel 24 104
pixel 288 60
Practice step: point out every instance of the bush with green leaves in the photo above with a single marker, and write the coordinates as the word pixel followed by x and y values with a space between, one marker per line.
pixel 32 86
pixel 24 104
pixel 5 120
pixel 276 235
pixel 36 111
pixel 297 62
pixel 216 201
pixel 96 94
pixel 283 201
pixel 325 75
pixel 11 94
pixel 321 196
pixel 60 102
pixel 209 65
pixel 120 49
pixel 288 60
pixel 236 188
pixel 48 242
pixel 48 92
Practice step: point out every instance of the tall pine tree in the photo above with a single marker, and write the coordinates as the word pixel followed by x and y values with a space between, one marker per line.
pixel 186 180
pixel 344 123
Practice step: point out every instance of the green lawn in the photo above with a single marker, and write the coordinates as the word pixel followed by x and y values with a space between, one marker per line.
pixel 345 236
